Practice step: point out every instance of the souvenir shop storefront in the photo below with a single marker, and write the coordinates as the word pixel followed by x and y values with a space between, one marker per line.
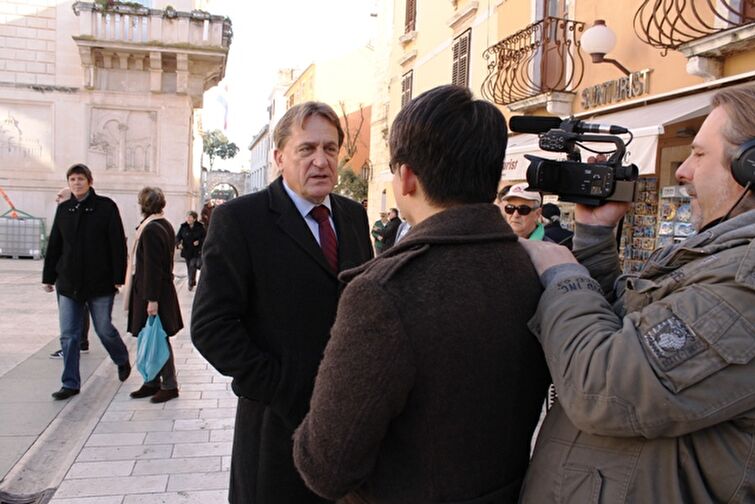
pixel 663 129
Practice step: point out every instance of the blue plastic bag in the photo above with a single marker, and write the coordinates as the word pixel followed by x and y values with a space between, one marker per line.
pixel 151 348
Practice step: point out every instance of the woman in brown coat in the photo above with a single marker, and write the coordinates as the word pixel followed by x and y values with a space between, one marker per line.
pixel 152 291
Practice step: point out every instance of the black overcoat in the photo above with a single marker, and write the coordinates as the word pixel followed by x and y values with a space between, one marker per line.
pixel 187 235
pixel 153 280
pixel 86 252
pixel 262 314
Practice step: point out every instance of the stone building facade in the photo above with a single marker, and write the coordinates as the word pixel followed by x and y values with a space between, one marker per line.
pixel 115 87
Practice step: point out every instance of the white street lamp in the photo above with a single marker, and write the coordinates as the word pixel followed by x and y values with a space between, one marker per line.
pixel 599 40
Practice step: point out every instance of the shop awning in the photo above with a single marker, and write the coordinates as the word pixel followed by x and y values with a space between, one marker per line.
pixel 646 124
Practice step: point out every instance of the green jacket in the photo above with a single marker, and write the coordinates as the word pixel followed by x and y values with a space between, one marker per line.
pixel 657 390
pixel 377 234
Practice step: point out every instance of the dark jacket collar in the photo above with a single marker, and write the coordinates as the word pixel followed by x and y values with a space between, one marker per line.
pixel 87 203
pixel 464 224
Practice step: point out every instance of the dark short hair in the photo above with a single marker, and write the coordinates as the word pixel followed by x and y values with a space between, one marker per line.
pixel 300 113
pixel 80 169
pixel 453 143
pixel 152 200
pixel 193 214
pixel 551 210
pixel 394 210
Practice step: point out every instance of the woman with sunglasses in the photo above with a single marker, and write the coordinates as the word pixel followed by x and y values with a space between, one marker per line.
pixel 521 209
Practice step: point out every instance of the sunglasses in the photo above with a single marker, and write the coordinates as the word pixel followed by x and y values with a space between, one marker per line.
pixel 522 209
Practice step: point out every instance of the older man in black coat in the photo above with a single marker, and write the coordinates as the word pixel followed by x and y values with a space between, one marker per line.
pixel 268 295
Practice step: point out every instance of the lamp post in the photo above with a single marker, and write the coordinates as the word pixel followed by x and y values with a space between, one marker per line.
pixel 599 40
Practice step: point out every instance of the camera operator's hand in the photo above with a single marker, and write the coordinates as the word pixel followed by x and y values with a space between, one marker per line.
pixel 545 255
pixel 605 215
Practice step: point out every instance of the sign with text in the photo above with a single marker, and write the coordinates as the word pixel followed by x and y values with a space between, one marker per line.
pixel 634 85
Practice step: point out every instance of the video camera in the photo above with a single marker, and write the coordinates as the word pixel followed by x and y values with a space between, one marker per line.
pixel 572 180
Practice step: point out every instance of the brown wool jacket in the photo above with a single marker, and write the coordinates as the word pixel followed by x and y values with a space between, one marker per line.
pixel 431 384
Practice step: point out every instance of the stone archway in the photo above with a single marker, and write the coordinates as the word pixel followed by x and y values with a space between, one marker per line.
pixel 223 191
pixel 227 185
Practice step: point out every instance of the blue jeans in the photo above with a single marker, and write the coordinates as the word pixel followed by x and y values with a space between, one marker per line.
pixel 71 324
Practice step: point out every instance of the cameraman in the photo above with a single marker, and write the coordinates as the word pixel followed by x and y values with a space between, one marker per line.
pixel 657 391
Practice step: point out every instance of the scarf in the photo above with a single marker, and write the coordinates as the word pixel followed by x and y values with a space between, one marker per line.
pixel 131 268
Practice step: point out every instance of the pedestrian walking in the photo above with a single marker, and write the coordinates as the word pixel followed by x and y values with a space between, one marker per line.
pixel 64 195
pixel 189 241
pixel 86 263
pixel 151 290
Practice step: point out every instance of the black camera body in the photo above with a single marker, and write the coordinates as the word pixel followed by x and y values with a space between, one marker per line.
pixel 572 180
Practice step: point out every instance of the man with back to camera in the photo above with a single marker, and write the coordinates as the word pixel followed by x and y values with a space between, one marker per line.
pixel 521 209
pixel 86 263
pixel 657 392
pixel 431 384
pixel 268 296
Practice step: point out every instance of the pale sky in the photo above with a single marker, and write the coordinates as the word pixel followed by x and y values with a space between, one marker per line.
pixel 273 34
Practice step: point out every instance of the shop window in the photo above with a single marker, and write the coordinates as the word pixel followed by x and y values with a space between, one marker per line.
pixel 411 15
pixel 406 87
pixel 460 68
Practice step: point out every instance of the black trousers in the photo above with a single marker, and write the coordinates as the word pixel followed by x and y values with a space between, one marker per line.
pixel 192 265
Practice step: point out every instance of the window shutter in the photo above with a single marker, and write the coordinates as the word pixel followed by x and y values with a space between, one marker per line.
pixel 406 88
pixel 411 15
pixel 460 67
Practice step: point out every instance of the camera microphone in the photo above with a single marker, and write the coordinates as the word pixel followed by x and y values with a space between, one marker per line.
pixel 539 124
pixel 610 129
pixel 533 124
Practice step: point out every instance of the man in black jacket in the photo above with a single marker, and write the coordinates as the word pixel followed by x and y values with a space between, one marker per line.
pixel 189 240
pixel 391 229
pixel 86 262
pixel 263 310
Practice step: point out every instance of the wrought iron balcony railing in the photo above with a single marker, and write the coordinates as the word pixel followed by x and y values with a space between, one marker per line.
pixel 543 57
pixel 667 24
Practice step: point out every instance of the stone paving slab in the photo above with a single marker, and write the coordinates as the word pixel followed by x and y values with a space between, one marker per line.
pixel 133 451
pixel 174 452
pixel 199 497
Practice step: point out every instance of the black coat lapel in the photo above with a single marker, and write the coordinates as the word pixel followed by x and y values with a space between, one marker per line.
pixel 292 223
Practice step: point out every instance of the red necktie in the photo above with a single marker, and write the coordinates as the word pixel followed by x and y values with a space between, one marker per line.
pixel 328 242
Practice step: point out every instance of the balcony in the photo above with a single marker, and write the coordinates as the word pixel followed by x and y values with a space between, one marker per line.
pixel 536 66
pixel 179 52
pixel 697 29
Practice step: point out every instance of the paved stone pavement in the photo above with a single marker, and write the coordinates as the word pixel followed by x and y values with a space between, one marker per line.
pixel 123 450
pixel 176 452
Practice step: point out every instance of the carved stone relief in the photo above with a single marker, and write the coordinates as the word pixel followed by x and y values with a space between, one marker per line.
pixel 123 140
pixel 25 135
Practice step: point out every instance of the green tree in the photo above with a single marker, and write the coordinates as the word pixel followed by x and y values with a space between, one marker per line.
pixel 216 144
pixel 350 184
